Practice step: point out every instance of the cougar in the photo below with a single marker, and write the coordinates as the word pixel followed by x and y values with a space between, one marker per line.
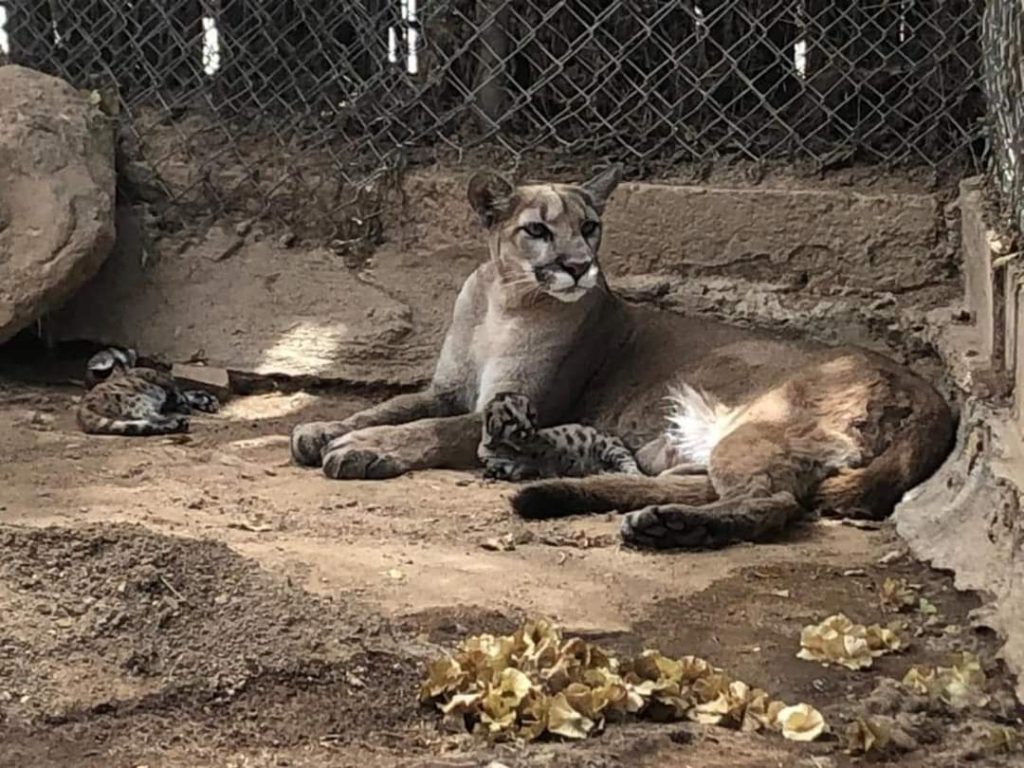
pixel 780 427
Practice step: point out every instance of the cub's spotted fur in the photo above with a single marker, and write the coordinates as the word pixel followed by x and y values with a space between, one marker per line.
pixel 513 448
pixel 126 400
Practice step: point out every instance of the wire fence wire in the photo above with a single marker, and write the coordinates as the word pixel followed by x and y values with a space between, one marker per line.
pixel 262 103
pixel 1004 88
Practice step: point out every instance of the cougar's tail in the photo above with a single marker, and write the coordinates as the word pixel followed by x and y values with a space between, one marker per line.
pixel 607 493
pixel 97 424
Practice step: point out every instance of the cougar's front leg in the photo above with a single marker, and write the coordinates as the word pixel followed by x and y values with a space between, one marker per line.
pixel 380 452
pixel 309 440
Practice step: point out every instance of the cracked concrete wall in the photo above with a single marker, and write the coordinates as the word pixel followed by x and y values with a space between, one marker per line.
pixel 838 264
pixel 967 518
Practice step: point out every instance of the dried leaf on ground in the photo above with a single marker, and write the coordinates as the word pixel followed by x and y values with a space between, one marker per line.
pixel 898 594
pixel 801 722
pixel 959 686
pixel 838 640
pixel 877 734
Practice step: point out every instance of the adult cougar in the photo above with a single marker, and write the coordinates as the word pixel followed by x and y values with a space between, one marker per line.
pixel 781 426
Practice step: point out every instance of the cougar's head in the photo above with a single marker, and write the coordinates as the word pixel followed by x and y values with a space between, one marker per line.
pixel 545 236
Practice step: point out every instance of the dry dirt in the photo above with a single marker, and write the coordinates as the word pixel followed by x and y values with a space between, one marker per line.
pixel 201 602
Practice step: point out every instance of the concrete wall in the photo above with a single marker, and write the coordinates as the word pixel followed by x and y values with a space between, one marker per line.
pixel 968 517
pixel 838 264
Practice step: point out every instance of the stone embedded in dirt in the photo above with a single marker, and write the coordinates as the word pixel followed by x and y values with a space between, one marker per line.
pixel 57 185
pixel 216 381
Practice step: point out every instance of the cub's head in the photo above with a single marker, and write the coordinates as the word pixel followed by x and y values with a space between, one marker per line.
pixel 107 363
pixel 545 237
pixel 509 420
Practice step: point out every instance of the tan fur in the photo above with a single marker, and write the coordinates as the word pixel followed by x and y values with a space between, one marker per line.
pixel 807 426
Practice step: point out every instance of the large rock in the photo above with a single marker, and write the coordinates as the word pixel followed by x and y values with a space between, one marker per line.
pixel 57 185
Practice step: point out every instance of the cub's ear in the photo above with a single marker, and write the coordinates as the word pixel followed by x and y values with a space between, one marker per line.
pixel 491 197
pixel 600 187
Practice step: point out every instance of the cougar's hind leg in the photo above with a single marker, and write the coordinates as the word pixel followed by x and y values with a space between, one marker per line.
pixel 759 483
pixel 723 522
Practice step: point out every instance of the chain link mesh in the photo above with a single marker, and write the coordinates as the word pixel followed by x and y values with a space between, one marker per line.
pixel 1004 87
pixel 259 104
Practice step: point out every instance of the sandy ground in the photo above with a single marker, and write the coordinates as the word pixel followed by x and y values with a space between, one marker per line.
pixel 199 601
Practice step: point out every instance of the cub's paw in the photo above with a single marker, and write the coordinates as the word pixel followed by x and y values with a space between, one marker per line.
pixel 176 424
pixel 675 527
pixel 308 441
pixel 202 401
pixel 500 470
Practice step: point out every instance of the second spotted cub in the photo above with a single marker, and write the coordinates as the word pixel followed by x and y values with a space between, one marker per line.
pixel 512 448
pixel 126 400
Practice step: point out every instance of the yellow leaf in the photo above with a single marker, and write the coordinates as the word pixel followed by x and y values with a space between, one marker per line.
pixel 867 734
pixel 463 703
pixel 565 721
pixel 443 676
pixel 801 722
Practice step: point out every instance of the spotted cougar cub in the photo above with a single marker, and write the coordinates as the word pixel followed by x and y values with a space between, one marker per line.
pixel 126 400
pixel 512 448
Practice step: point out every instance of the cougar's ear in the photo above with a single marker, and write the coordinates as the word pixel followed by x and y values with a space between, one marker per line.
pixel 600 187
pixel 491 197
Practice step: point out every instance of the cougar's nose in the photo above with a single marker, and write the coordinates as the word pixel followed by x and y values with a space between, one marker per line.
pixel 576 268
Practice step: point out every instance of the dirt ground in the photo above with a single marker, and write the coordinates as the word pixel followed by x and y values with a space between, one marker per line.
pixel 198 601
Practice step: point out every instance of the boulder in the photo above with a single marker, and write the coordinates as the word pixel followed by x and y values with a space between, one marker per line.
pixel 57 192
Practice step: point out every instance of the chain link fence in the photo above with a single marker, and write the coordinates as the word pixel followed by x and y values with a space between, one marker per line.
pixel 303 105
pixel 1004 88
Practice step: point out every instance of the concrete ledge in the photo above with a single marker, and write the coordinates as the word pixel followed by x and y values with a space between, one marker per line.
pixel 822 238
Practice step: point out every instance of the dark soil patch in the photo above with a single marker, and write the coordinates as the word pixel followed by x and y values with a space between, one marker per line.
pixel 187 640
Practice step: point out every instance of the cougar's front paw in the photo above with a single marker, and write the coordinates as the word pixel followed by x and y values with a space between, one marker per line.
pixel 309 440
pixel 348 458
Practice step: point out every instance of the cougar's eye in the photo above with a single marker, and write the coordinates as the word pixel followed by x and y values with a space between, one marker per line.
pixel 589 228
pixel 537 230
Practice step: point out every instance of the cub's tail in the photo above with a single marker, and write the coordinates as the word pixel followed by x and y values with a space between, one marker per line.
pixel 97 424
pixel 607 493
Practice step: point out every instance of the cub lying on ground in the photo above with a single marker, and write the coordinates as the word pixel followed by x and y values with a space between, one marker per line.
pixel 513 448
pixel 126 400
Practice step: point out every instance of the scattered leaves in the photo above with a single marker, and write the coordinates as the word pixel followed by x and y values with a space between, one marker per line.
pixel 926 608
pixel 535 682
pixel 877 734
pixel 958 686
pixel 898 595
pixel 1000 740
pixel 837 640
pixel 506 543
